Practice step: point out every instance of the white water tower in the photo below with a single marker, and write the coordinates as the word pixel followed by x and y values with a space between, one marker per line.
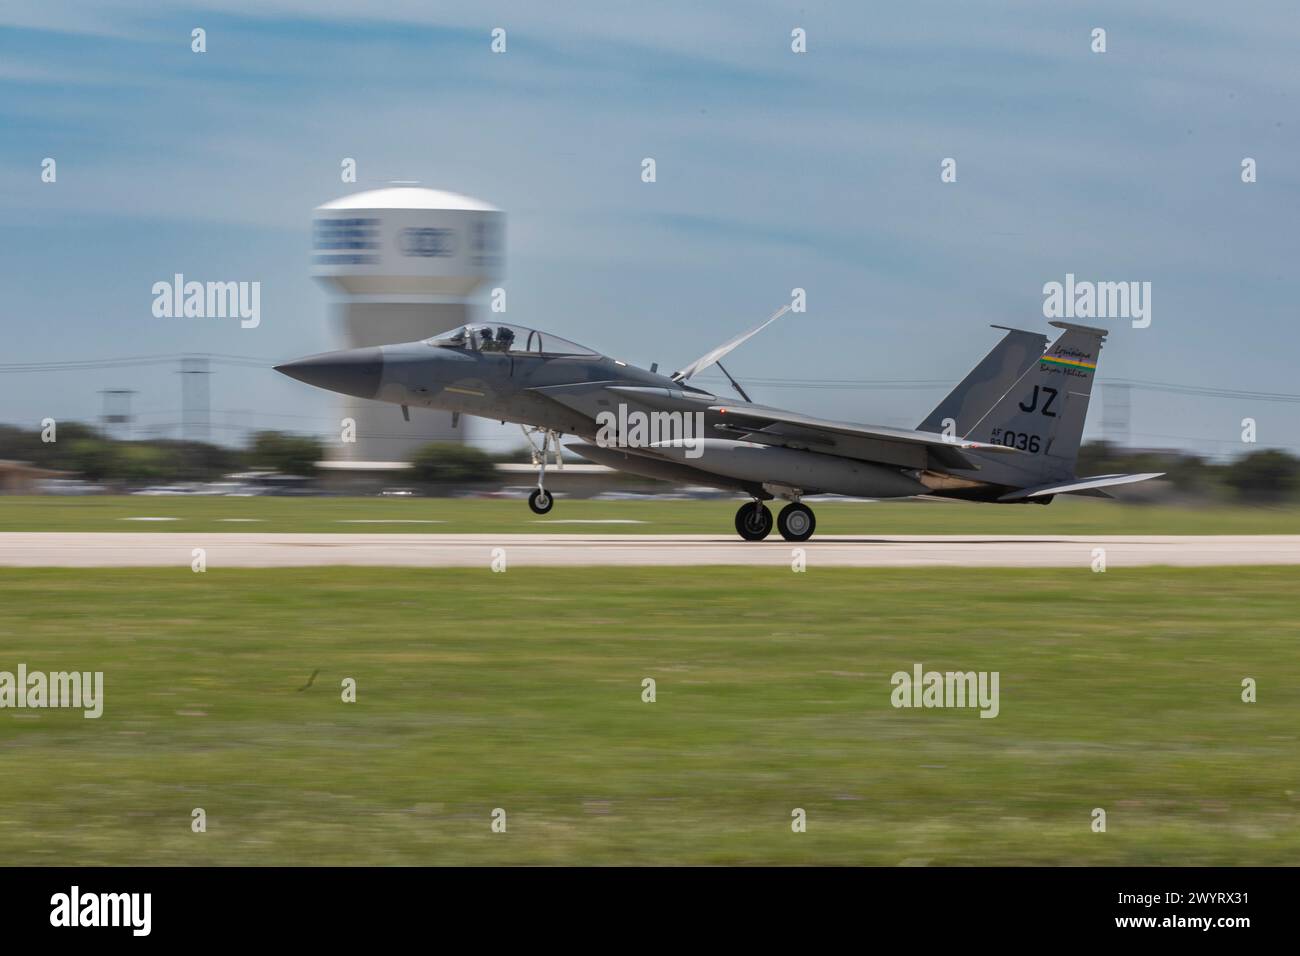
pixel 404 262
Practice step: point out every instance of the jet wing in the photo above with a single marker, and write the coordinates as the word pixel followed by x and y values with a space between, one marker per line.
pixel 876 443
pixel 1079 486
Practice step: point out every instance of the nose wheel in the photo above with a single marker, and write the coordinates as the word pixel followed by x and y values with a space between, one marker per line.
pixel 541 501
pixel 796 522
pixel 754 521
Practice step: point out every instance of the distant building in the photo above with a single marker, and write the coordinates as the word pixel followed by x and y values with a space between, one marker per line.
pixel 22 478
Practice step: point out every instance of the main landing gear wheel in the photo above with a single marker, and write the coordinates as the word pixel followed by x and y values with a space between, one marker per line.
pixel 754 521
pixel 540 501
pixel 796 522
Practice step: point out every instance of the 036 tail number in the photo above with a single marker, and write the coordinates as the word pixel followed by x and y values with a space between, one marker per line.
pixel 1020 440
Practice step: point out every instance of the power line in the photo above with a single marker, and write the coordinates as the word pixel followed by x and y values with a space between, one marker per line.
pixel 1205 391
pixel 846 384
pixel 133 361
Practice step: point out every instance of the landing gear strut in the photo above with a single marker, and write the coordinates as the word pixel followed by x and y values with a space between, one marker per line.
pixel 540 501
pixel 754 521
pixel 796 522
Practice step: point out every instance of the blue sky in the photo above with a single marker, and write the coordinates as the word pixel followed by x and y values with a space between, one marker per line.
pixel 775 170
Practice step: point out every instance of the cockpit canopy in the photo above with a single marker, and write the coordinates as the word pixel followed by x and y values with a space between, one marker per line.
pixel 499 337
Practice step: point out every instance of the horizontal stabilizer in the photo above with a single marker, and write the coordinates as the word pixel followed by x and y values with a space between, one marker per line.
pixel 1079 486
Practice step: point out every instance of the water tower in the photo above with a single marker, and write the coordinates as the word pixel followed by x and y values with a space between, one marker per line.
pixel 404 262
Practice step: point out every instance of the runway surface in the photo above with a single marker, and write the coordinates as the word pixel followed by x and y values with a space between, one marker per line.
pixel 152 549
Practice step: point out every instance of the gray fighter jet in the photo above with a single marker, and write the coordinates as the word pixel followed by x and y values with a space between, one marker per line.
pixel 1008 433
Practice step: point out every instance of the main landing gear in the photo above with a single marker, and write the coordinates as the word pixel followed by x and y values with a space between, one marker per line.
pixel 754 521
pixel 541 501
pixel 795 522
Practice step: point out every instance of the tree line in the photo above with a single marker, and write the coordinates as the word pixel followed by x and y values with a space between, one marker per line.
pixel 1263 476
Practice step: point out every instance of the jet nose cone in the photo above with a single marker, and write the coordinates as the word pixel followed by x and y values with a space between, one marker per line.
pixel 351 372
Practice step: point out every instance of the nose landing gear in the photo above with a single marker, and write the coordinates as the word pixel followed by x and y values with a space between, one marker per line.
pixel 541 501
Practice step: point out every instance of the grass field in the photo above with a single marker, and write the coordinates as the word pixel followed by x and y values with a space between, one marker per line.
pixel 523 691
pixel 431 515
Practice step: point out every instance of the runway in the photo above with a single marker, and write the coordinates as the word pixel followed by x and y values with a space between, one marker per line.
pixel 251 550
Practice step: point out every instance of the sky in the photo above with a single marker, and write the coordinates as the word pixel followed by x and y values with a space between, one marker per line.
pixel 775 170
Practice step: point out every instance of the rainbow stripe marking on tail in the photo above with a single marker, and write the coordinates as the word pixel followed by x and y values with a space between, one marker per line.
pixel 1068 362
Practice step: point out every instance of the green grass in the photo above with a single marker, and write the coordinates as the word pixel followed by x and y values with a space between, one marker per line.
pixel 1063 516
pixel 523 691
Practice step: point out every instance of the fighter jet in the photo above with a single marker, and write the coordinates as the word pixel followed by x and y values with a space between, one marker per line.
pixel 1008 433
